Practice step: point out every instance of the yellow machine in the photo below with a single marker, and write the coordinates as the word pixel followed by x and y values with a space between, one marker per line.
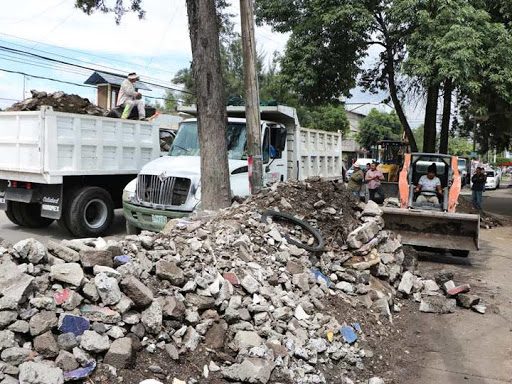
pixel 391 158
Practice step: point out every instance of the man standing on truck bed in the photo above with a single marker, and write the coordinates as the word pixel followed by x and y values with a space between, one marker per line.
pixel 129 97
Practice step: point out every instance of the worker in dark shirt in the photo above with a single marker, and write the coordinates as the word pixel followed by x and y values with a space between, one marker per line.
pixel 478 187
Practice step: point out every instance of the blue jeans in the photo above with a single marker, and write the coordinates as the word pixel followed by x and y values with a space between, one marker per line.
pixel 477 199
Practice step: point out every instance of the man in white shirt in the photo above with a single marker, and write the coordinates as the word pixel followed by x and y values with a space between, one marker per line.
pixel 428 185
pixel 129 97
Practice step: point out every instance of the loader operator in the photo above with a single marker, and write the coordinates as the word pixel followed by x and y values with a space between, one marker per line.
pixel 129 97
pixel 428 185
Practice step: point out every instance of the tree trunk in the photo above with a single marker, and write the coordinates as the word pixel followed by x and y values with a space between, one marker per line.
pixel 447 111
pixel 212 116
pixel 429 138
pixel 396 101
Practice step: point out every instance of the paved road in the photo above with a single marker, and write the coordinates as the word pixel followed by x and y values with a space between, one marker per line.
pixel 466 347
pixel 498 201
pixel 13 233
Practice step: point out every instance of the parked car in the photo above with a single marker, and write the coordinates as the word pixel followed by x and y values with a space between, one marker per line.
pixel 493 179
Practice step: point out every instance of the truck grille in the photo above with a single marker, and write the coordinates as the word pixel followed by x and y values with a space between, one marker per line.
pixel 162 191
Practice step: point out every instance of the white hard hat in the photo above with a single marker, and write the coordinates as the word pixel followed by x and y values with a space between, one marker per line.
pixel 357 165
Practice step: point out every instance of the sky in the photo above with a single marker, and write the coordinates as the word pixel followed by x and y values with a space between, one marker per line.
pixel 155 47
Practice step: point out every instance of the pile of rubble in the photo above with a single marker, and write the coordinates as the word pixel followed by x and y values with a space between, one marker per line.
pixel 212 299
pixel 440 294
pixel 60 101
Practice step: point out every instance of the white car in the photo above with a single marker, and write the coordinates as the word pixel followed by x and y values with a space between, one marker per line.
pixel 493 179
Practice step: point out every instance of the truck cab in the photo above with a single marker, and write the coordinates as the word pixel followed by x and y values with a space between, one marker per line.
pixel 170 187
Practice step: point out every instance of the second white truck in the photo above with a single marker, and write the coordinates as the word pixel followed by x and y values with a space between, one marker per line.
pixel 170 186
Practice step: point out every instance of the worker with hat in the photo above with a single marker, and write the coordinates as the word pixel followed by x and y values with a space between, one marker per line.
pixel 129 97
pixel 356 180
pixel 429 186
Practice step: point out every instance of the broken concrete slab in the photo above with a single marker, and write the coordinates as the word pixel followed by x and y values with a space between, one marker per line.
pixel 437 304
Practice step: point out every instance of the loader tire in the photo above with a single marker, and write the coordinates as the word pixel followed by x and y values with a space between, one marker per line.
pixel 319 240
pixel 10 214
pixel 89 211
pixel 29 215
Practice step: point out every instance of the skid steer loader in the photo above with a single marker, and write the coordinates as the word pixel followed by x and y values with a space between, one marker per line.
pixel 429 225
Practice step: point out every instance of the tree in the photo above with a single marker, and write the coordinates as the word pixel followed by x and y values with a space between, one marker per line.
pixel 327 46
pixel 378 126
pixel 327 118
pixel 204 24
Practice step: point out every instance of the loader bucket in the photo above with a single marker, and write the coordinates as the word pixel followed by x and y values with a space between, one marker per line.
pixel 434 230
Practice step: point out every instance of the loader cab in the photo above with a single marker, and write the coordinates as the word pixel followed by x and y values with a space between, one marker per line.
pixel 419 164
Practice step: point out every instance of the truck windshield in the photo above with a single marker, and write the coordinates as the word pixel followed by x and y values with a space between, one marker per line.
pixel 186 142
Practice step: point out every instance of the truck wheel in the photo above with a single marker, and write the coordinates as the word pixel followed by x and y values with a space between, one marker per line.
pixel 132 229
pixel 29 215
pixel 90 212
pixel 10 214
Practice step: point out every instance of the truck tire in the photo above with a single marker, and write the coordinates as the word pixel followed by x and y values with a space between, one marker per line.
pixel 10 214
pixel 132 229
pixel 301 223
pixel 89 212
pixel 29 215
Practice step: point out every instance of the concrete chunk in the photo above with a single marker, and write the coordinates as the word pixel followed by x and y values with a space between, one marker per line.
pixel 120 353
pixel 138 292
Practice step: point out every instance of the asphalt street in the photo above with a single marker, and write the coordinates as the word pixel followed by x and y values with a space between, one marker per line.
pixel 498 202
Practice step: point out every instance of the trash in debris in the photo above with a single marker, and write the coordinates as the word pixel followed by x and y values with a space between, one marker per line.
pixel 319 276
pixel 357 327
pixel 348 334
pixel 479 308
pixel 460 289
pixel 74 324
pixel 80 373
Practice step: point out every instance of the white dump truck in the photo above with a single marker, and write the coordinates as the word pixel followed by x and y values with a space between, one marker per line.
pixel 170 186
pixel 69 167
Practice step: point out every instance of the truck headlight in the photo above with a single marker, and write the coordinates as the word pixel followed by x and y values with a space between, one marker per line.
pixel 197 195
pixel 129 191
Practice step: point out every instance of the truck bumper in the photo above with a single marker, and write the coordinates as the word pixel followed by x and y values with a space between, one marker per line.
pixel 149 219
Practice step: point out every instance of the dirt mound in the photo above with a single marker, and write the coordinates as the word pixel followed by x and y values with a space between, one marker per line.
pixel 60 101
pixel 487 220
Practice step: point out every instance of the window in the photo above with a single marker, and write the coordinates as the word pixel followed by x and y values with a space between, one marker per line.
pixel 186 142
pixel 273 143
pixel 166 139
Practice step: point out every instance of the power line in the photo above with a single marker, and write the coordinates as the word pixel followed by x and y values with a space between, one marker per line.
pixel 47 78
pixel 25 53
pixel 74 59
pixel 78 51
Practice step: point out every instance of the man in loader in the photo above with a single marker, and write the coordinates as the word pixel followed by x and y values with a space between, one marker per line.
pixel 129 97
pixel 428 185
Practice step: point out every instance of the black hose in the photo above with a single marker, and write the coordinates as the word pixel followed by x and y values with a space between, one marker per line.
pixel 286 217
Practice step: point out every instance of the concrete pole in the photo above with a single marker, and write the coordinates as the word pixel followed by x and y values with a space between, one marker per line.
pixel 252 96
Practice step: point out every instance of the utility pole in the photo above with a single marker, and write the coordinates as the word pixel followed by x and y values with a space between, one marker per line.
pixel 252 96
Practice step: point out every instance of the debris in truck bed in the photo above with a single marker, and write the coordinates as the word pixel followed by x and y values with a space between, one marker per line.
pixel 214 299
pixel 59 101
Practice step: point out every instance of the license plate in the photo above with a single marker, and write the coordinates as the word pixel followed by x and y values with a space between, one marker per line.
pixel 159 219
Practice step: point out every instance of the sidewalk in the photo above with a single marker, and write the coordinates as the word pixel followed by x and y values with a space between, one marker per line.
pixel 467 347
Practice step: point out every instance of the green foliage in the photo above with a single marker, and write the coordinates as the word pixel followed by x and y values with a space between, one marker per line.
pixel 327 118
pixel 457 145
pixel 115 6
pixel 326 47
pixel 378 126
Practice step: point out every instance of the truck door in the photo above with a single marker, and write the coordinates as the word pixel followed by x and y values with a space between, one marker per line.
pixel 274 153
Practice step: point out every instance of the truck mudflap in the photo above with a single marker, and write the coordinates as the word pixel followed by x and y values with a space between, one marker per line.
pixel 434 230
pixel 148 218
pixel 51 201
pixel 3 188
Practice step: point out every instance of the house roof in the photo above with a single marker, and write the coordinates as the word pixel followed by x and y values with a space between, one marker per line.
pixel 107 78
